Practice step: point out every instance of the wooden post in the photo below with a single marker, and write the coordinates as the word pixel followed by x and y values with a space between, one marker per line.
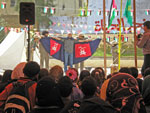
pixel 135 40
pixel 104 37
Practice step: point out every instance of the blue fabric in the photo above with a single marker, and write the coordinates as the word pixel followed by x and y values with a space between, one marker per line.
pixel 60 54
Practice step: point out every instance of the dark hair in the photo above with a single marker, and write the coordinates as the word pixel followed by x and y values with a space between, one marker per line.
pixel 134 72
pixel 6 76
pixel 101 69
pixel 83 74
pixel 125 70
pixel 43 73
pixel 147 24
pixel 65 86
pixel 89 86
pixel 147 72
pixel 31 69
pixel 47 93
pixel 45 32
pixel 56 72
pixel 139 81
pixel 98 76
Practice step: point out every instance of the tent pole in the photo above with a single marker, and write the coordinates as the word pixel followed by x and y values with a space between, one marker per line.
pixel 104 37
pixel 135 40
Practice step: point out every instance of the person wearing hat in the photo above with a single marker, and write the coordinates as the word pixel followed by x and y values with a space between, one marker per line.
pixel 33 46
pixel 44 56
pixel 81 64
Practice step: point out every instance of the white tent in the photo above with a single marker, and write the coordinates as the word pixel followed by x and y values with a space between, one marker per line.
pixel 11 50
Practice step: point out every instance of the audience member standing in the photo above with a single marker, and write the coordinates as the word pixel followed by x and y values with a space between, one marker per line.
pixel 144 42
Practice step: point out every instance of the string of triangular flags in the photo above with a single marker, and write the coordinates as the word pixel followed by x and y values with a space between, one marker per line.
pixel 89 12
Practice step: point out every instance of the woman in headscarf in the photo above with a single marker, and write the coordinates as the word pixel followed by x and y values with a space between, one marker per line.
pixel 146 92
pixel 18 71
pixel 123 94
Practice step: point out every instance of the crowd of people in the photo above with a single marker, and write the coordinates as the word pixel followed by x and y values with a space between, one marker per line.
pixel 31 89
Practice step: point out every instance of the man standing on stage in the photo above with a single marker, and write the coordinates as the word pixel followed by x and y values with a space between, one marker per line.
pixel 144 42
pixel 68 49
pixel 81 64
pixel 34 45
pixel 44 56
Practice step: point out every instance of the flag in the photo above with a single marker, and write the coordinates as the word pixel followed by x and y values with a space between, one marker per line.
pixel 128 13
pixel 56 49
pixel 112 13
pixel 82 50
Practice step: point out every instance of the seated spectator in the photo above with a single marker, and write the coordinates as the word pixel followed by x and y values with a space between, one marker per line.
pixel 30 71
pixel 146 92
pixel 43 73
pixel 56 73
pixel 134 72
pixel 102 71
pixel 76 94
pixel 123 94
pixel 147 72
pixel 83 74
pixel 48 97
pixel 6 79
pixel 125 70
pixel 98 76
pixel 65 87
pixel 90 103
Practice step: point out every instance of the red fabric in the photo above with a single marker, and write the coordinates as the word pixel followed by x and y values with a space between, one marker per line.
pixel 82 50
pixel 5 93
pixel 54 47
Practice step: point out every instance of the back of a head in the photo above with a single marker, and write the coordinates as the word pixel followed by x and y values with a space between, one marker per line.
pixel 43 73
pixel 134 72
pixel 56 72
pixel 147 24
pixel 65 86
pixel 125 70
pixel 98 76
pixel 31 69
pixel 147 72
pixel 6 76
pixel 47 93
pixel 89 86
pixel 83 74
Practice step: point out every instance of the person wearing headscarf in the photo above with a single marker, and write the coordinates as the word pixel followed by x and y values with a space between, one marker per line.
pixel 18 71
pixel 123 94
pixel 146 92
pixel 77 94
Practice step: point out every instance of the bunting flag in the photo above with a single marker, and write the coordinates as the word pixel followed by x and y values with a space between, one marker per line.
pixel 82 51
pixel 128 13
pixel 112 13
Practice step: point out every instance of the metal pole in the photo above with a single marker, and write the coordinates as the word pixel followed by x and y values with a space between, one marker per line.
pixel 28 59
pixel 119 48
pixel 135 40
pixel 104 37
